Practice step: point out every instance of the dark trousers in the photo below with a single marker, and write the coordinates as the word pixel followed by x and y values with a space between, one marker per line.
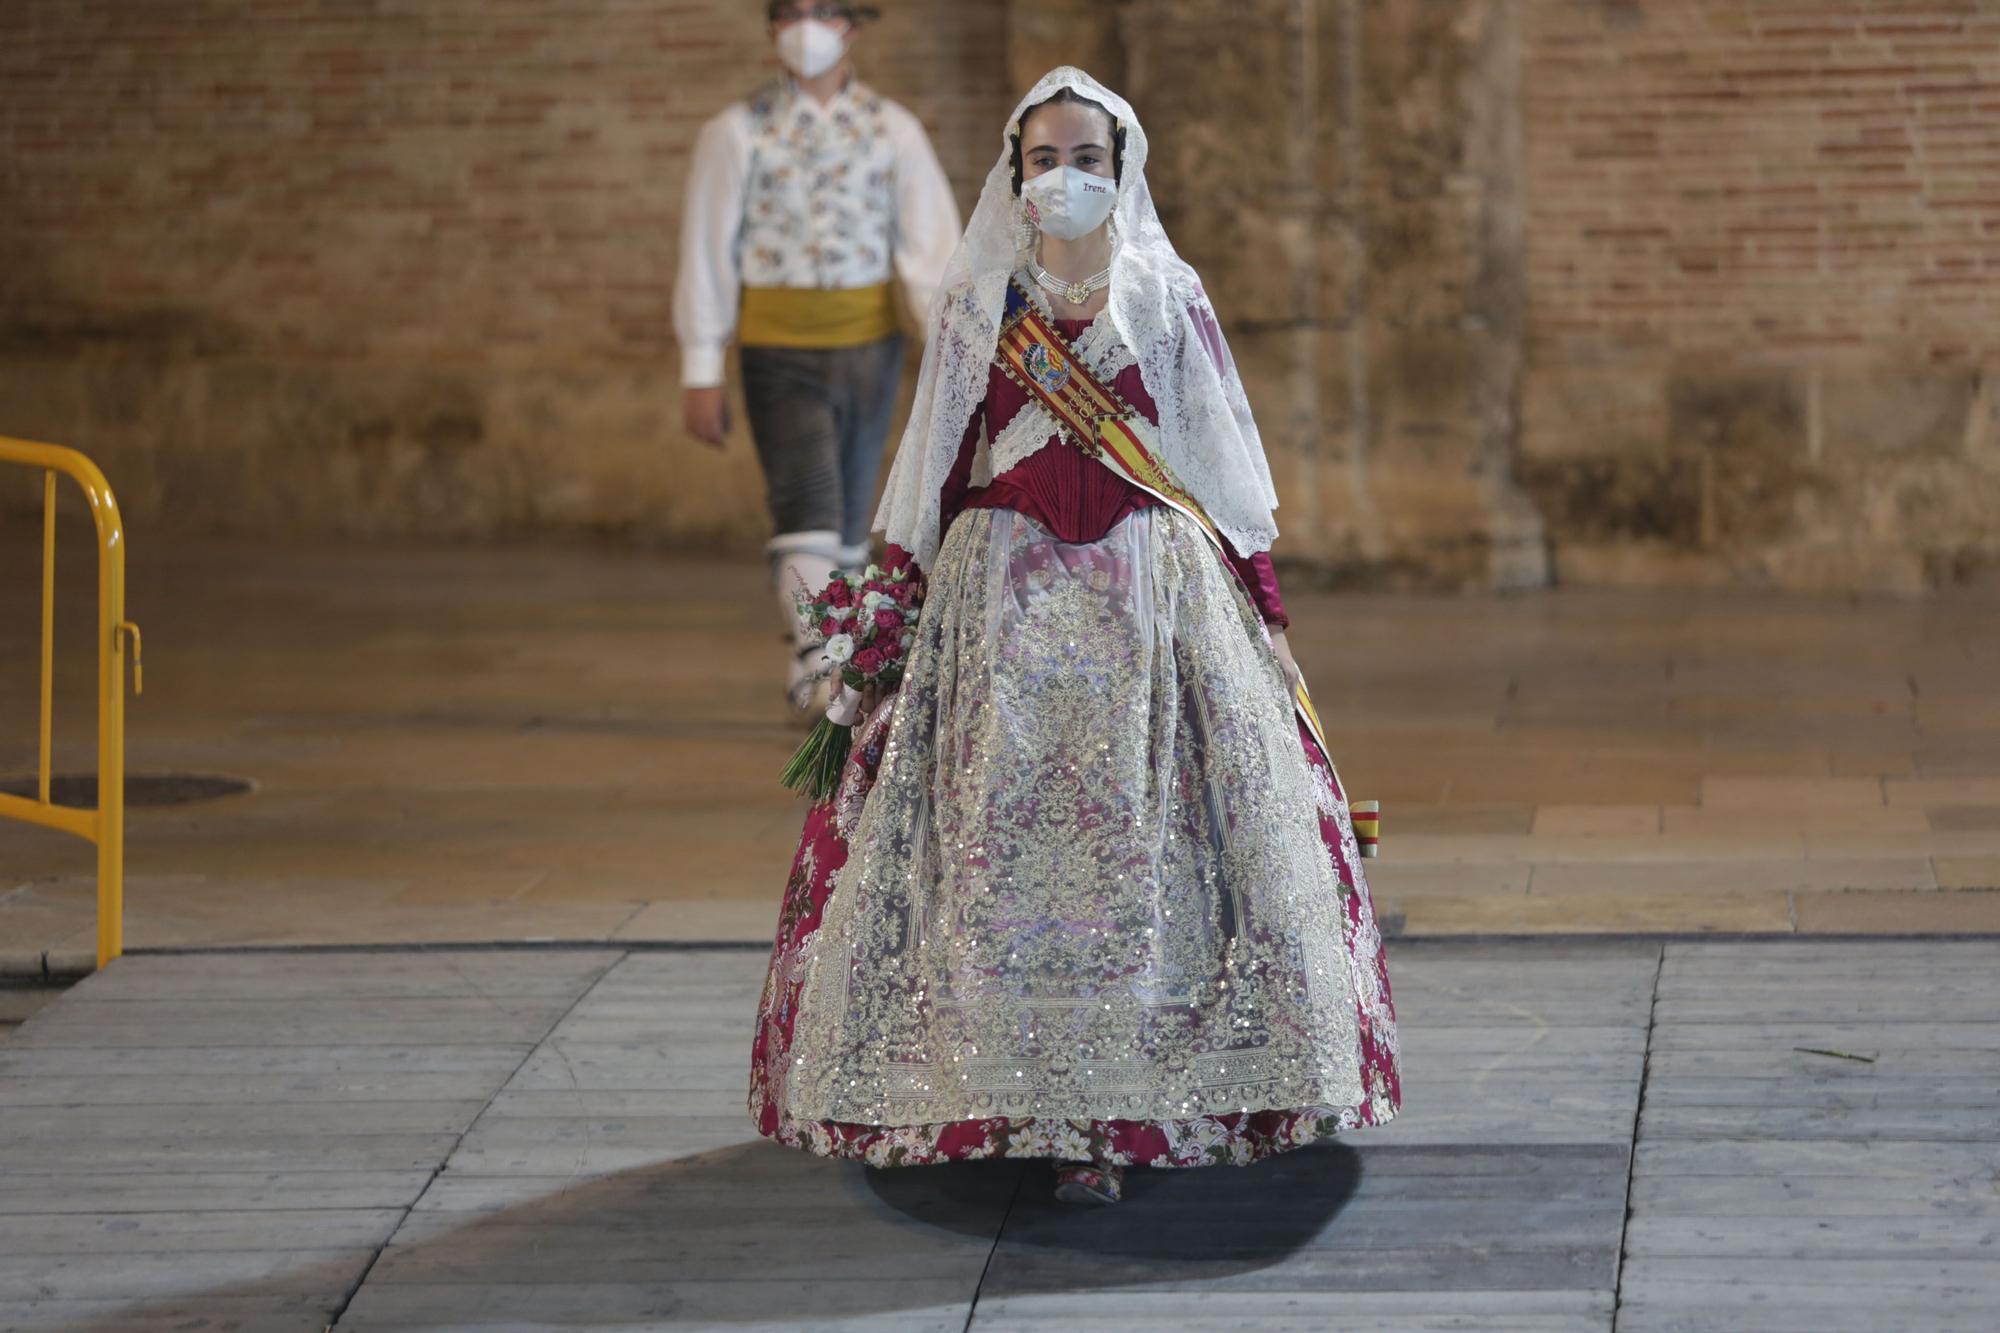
pixel 819 418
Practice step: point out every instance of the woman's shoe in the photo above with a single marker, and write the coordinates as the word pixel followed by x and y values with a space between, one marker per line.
pixel 1086 1182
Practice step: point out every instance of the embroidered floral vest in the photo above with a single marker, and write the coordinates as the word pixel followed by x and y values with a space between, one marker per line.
pixel 819 207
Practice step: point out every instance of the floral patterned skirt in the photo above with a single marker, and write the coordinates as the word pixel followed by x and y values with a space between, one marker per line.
pixel 1007 558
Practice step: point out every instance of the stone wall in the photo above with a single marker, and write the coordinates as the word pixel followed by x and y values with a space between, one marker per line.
pixel 1763 271
pixel 1346 177
pixel 1618 291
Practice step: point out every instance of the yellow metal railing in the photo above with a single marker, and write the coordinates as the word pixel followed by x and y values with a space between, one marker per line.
pixel 104 825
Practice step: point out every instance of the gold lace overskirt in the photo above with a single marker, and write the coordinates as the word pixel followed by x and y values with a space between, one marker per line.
pixel 1088 881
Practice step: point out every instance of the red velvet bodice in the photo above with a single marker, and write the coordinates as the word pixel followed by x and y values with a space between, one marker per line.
pixel 1074 496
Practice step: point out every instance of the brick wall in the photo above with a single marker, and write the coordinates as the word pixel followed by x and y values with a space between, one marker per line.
pixel 1613 291
pixel 391 265
pixel 1763 275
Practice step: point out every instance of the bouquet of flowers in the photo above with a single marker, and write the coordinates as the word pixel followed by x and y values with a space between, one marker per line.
pixel 867 622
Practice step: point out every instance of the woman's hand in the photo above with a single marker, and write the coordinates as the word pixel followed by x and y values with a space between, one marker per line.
pixel 705 413
pixel 1284 650
pixel 874 694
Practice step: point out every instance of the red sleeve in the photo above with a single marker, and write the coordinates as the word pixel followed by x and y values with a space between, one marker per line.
pixel 951 496
pixel 1262 582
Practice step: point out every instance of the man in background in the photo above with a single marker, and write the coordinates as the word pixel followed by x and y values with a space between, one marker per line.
pixel 802 203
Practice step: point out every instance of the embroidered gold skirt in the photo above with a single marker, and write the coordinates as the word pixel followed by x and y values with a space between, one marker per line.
pixel 1090 879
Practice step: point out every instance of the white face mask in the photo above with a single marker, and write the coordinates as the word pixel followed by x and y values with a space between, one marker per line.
pixel 1068 203
pixel 810 48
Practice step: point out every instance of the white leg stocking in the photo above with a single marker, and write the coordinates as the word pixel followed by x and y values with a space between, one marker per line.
pixel 801 563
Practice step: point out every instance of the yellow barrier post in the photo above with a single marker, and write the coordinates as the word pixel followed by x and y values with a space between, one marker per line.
pixel 105 825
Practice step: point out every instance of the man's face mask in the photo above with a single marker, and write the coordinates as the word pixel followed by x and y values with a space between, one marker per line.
pixel 1067 202
pixel 811 47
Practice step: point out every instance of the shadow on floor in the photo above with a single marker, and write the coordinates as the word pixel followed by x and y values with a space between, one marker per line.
pixel 756 1233
pixel 1182 1225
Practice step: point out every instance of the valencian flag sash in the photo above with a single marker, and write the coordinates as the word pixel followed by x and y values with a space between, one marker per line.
pixel 1092 416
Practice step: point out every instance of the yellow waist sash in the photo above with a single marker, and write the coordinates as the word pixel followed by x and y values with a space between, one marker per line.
pixel 816 316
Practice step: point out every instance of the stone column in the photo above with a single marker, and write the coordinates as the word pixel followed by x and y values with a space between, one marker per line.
pixel 1430 103
pixel 1344 175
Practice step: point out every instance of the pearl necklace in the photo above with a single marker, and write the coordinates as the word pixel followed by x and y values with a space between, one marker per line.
pixel 1076 293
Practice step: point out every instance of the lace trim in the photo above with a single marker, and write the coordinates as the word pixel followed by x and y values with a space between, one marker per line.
pixel 1031 430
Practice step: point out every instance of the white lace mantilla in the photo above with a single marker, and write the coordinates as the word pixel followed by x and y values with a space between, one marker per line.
pixel 1161 315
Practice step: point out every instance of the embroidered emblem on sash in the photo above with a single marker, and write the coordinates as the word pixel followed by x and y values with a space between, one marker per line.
pixel 1046 368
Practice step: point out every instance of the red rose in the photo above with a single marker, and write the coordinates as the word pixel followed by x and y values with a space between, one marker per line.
pixel 887 619
pixel 829 627
pixel 839 594
pixel 891 649
pixel 868 661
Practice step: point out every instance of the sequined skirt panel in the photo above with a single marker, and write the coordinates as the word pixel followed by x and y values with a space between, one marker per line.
pixel 1088 881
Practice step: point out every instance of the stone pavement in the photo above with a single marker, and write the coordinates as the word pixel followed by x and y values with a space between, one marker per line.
pixel 1775 1136
pixel 472 744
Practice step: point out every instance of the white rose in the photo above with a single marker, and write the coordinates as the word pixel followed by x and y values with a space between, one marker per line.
pixel 839 648
pixel 871 600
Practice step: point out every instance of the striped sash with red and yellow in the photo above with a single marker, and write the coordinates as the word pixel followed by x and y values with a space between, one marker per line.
pixel 1092 416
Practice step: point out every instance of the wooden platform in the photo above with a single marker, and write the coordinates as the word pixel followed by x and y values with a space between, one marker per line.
pixel 1792 1135
pixel 477 744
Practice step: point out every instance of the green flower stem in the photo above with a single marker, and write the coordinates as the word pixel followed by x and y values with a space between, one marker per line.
pixel 815 769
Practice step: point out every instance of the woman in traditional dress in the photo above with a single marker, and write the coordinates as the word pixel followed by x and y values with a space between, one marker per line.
pixel 1088 889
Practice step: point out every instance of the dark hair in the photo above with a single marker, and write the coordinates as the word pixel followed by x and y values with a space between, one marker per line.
pixel 1070 95
pixel 855 14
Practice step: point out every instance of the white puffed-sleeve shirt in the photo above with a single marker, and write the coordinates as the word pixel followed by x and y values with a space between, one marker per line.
pixel 783 191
